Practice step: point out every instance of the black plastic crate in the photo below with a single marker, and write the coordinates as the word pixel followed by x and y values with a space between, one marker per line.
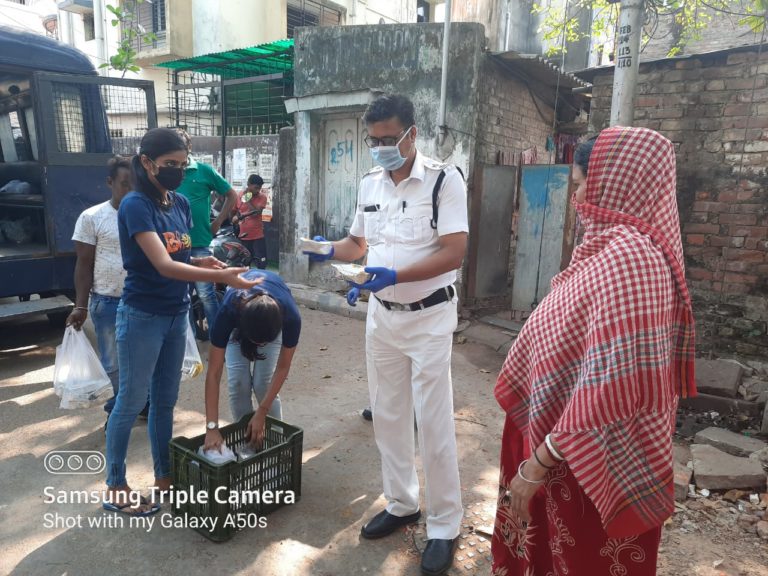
pixel 276 468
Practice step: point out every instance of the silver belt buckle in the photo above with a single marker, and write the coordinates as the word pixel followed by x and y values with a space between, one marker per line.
pixel 400 307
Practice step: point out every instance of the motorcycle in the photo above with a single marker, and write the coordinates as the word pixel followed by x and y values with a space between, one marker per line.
pixel 228 248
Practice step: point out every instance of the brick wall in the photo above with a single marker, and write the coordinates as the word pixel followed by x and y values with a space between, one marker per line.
pixel 509 122
pixel 508 117
pixel 707 107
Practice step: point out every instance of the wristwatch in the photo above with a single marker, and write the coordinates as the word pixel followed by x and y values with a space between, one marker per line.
pixel 212 425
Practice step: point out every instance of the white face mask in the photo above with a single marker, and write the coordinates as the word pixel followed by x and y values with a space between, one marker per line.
pixel 389 157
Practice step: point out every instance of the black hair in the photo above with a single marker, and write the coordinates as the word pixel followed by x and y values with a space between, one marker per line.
pixel 185 136
pixel 390 106
pixel 260 320
pixel 116 163
pixel 582 153
pixel 255 180
pixel 155 143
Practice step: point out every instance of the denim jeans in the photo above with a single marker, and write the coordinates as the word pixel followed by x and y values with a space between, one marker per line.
pixel 103 310
pixel 150 350
pixel 241 380
pixel 206 291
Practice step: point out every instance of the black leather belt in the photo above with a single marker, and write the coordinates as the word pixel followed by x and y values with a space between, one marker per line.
pixel 437 297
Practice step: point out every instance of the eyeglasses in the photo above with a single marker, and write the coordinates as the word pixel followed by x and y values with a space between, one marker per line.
pixel 373 142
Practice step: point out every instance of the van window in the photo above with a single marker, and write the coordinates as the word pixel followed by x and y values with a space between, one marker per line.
pixel 13 139
pixel 68 113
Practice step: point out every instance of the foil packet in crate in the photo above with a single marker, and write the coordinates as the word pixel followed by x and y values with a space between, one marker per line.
pixel 351 273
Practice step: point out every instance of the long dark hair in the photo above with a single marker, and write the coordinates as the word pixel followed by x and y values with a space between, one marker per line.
pixel 155 143
pixel 260 320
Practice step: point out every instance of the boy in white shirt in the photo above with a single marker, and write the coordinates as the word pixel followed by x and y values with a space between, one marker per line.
pixel 99 270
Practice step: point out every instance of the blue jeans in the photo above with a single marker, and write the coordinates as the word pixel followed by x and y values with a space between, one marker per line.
pixel 241 380
pixel 103 310
pixel 150 350
pixel 206 291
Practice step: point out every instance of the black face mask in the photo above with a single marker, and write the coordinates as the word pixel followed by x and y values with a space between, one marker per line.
pixel 169 178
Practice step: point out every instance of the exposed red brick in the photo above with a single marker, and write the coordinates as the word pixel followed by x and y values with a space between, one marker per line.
pixel 727 195
pixel 699 274
pixel 751 231
pixel 649 101
pixel 695 239
pixel 738 266
pixel 734 278
pixel 735 289
pixel 746 255
pixel 727 241
pixel 742 219
pixel 747 208
pixel 737 110
pixel 702 228
pixel 710 207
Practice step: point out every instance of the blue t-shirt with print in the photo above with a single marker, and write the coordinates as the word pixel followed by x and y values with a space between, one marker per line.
pixel 145 288
pixel 227 319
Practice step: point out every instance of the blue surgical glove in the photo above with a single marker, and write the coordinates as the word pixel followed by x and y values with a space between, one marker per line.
pixel 380 278
pixel 319 257
pixel 353 295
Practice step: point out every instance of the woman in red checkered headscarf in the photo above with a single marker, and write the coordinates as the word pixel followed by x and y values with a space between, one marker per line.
pixel 591 385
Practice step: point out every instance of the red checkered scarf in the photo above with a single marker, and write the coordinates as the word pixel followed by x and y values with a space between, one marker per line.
pixel 601 361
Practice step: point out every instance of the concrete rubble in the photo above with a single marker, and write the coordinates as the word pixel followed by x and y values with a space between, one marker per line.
pixel 718 377
pixel 713 469
pixel 730 442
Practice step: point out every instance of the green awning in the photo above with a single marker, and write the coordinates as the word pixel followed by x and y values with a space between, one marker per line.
pixel 271 58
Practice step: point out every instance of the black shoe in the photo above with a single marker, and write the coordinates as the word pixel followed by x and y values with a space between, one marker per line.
pixel 368 415
pixel 437 557
pixel 384 523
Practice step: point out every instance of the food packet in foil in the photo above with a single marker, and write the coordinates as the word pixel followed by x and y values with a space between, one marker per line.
pixel 315 247
pixel 351 272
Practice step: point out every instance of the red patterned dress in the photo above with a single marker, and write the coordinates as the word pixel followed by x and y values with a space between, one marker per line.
pixel 600 365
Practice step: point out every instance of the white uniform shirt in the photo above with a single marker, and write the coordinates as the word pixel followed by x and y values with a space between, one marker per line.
pixel 395 222
pixel 98 226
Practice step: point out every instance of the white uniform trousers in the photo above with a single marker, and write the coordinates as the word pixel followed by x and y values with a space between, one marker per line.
pixel 408 356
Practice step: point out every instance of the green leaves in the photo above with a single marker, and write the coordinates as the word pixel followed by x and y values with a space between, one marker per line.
pixel 131 32
pixel 690 19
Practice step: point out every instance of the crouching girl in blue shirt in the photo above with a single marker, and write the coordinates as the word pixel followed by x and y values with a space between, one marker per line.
pixel 256 332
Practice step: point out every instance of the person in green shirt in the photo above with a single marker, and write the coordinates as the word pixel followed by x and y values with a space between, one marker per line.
pixel 200 180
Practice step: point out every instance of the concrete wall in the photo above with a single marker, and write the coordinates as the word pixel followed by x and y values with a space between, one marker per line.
pixel 509 24
pixel 392 58
pixel 243 23
pixel 707 107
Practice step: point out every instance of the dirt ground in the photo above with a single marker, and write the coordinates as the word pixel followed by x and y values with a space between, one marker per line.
pixel 341 485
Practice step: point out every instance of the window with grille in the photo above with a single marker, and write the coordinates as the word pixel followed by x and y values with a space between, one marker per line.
pixel 151 17
pixel 310 13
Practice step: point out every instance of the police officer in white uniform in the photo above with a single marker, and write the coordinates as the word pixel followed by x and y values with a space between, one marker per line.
pixel 411 319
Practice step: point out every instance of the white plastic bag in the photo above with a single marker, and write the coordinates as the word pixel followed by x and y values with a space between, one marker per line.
pixel 78 377
pixel 193 364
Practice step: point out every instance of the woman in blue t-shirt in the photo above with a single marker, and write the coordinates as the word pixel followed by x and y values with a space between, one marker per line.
pixel 256 332
pixel 152 319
